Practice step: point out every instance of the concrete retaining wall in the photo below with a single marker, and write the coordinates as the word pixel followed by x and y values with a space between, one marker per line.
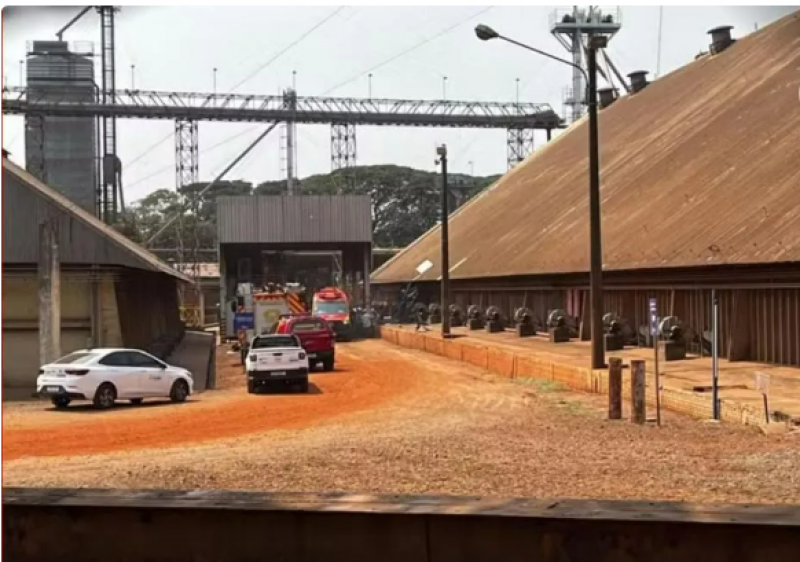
pixel 43 525
pixel 523 364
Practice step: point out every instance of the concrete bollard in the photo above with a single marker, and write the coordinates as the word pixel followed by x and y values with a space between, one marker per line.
pixel 615 388
pixel 638 402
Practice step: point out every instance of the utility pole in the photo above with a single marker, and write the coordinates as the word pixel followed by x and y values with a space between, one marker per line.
pixel 442 153
pixel 596 242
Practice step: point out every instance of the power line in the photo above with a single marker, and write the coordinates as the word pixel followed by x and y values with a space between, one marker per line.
pixel 256 71
pixel 148 150
pixel 204 151
pixel 410 49
pixel 295 42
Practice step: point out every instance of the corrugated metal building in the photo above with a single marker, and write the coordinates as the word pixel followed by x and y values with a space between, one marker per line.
pixel 293 238
pixel 113 292
pixel 700 190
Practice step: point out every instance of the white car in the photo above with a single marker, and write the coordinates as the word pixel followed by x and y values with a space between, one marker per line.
pixel 276 359
pixel 107 375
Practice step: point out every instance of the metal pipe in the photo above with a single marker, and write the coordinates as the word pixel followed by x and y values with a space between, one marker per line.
pixel 616 71
pixel 199 194
pixel 61 31
pixel 442 152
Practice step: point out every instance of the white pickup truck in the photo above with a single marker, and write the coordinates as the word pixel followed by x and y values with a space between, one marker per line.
pixel 276 360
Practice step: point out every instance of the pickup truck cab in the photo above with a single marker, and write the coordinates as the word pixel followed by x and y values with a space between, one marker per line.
pixel 316 337
pixel 276 360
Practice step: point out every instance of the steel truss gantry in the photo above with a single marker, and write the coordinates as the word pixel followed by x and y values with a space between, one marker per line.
pixel 343 150
pixel 520 145
pixel 308 110
pixel 186 153
pixel 110 170
pixel 343 114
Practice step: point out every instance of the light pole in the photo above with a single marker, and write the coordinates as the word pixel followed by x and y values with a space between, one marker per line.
pixel 369 86
pixel 444 87
pixel 441 152
pixel 485 33
pixel 133 77
pixel 215 80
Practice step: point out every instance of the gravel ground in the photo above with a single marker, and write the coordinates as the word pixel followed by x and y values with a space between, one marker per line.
pixel 448 429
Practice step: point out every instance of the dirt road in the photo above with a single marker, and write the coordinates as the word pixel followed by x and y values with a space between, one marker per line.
pixel 355 385
pixel 395 420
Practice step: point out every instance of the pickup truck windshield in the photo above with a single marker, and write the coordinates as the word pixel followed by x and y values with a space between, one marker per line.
pixel 309 325
pixel 274 341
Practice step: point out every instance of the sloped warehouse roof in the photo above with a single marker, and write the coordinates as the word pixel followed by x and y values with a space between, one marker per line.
pixel 86 240
pixel 700 168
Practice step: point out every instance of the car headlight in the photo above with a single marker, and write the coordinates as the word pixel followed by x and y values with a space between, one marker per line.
pixel 346 321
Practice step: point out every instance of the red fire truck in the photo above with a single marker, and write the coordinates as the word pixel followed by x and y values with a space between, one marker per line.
pixel 332 304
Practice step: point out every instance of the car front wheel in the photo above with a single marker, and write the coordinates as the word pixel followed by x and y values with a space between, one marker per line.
pixel 180 391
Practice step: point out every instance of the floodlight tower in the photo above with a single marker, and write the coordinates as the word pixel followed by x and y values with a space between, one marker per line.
pixel 570 26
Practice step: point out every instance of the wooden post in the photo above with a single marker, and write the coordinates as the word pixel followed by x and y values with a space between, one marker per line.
pixel 638 403
pixel 615 388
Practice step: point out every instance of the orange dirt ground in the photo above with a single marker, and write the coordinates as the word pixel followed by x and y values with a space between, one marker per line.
pixel 354 386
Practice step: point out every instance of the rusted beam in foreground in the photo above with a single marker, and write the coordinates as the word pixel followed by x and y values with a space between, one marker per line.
pixel 125 525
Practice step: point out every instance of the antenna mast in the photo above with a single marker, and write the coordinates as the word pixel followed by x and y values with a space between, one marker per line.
pixel 660 25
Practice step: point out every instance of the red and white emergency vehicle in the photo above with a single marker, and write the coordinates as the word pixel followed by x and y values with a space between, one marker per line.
pixel 332 304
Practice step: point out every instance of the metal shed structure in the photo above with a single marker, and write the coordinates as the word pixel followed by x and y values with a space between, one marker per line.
pixel 699 193
pixel 279 238
pixel 71 281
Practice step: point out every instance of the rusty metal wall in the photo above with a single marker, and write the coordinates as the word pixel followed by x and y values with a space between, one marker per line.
pixel 764 324
pixel 294 219
pixel 213 526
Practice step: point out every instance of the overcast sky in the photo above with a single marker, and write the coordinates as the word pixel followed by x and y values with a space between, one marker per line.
pixel 176 48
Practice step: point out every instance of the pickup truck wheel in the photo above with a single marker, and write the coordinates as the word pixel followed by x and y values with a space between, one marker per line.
pixel 251 387
pixel 304 386
pixel 327 364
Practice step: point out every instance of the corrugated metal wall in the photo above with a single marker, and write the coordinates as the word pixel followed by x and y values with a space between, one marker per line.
pixel 760 325
pixel 149 312
pixel 23 210
pixel 294 219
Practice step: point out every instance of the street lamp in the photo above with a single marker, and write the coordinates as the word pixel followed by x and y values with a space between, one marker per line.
pixel 485 33
pixel 441 152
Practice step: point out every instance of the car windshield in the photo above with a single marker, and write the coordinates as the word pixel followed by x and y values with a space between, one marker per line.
pixel 330 308
pixel 274 341
pixel 78 357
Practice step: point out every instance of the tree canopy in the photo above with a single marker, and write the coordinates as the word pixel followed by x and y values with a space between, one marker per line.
pixel 405 203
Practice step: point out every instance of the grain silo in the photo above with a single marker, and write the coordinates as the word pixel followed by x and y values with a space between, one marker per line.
pixel 63 150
